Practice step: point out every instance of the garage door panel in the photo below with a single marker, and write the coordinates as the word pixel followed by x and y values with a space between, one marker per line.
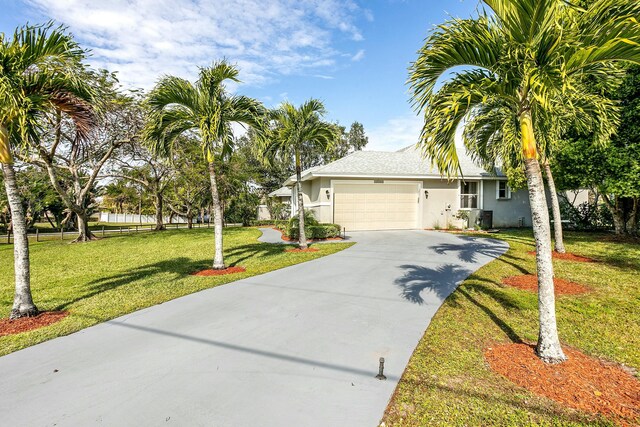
pixel 376 206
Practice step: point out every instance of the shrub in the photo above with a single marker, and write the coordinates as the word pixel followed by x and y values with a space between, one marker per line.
pixel 309 219
pixel 325 231
pixel 320 231
pixel 586 216
pixel 263 222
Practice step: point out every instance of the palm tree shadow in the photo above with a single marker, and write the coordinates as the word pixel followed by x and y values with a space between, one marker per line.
pixel 441 281
pixel 470 247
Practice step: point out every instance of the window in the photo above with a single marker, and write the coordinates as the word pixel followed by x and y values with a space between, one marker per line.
pixel 469 195
pixel 502 190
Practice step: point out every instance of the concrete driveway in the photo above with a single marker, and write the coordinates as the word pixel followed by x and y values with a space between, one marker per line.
pixel 294 347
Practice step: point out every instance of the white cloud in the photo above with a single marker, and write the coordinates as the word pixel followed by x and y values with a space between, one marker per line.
pixel 396 133
pixel 142 39
pixel 358 56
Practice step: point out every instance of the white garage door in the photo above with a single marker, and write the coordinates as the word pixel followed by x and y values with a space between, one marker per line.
pixel 376 206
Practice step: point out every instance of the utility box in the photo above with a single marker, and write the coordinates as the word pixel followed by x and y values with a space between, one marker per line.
pixel 487 219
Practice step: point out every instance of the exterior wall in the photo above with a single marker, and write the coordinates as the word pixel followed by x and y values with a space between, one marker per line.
pixel 320 204
pixel 263 213
pixel 440 207
pixel 507 213
pixel 577 197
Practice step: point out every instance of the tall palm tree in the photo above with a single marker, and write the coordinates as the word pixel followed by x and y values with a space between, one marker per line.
pixel 206 109
pixel 39 73
pixel 295 128
pixel 521 61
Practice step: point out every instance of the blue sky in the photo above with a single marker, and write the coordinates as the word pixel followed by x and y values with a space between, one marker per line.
pixel 353 55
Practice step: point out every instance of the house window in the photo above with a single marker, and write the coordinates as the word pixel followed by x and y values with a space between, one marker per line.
pixel 502 190
pixel 469 195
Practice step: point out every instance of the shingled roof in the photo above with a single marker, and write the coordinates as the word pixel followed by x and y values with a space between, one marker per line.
pixel 405 163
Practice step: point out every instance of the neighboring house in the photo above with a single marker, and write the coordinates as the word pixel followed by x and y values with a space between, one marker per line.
pixel 374 190
pixel 282 195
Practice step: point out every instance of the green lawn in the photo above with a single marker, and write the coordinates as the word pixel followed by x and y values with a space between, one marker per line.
pixel 104 279
pixel 447 381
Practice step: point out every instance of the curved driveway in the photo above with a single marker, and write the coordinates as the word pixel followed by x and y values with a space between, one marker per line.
pixel 294 347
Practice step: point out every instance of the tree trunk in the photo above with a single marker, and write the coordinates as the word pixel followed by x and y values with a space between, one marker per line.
pixel 548 347
pixel 159 207
pixel 23 305
pixel 218 260
pixel 84 233
pixel 632 220
pixel 46 215
pixel 555 208
pixel 302 238
pixel 616 213
pixel 189 220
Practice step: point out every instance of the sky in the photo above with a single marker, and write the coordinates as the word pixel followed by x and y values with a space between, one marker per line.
pixel 351 54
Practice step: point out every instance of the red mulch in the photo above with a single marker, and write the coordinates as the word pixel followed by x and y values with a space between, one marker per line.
pixel 302 250
pixel 567 257
pixel 582 382
pixel 212 272
pixel 25 324
pixel 529 282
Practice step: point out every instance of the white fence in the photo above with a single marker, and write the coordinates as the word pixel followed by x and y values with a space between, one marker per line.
pixel 137 219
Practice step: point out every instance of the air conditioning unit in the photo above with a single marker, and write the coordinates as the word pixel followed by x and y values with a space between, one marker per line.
pixel 521 221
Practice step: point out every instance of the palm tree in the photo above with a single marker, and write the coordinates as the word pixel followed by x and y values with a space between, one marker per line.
pixel 39 74
pixel 294 129
pixel 206 109
pixel 522 65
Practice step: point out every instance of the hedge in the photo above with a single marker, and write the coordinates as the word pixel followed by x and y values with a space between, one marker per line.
pixel 320 231
pixel 263 222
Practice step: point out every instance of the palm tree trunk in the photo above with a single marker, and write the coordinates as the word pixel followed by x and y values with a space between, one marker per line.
pixel 548 347
pixel 218 260
pixel 23 305
pixel 555 208
pixel 159 207
pixel 302 238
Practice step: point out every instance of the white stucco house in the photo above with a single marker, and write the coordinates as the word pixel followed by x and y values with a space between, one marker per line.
pixel 375 190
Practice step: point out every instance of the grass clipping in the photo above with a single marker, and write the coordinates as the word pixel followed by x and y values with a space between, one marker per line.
pixel 581 383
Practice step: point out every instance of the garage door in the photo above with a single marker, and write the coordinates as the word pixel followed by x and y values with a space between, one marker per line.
pixel 376 206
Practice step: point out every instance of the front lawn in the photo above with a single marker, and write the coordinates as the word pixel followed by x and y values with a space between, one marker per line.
pixel 105 279
pixel 448 382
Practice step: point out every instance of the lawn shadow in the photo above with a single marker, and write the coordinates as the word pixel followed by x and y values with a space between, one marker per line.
pixel 512 397
pixel 508 330
pixel 440 281
pixel 179 266
pixel 251 250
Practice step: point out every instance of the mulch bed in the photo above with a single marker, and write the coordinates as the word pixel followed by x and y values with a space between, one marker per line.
pixel 295 250
pixel 581 383
pixel 529 282
pixel 567 257
pixel 25 324
pixel 212 272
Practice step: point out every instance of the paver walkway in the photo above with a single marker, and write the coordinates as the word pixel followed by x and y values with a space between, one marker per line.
pixel 294 347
